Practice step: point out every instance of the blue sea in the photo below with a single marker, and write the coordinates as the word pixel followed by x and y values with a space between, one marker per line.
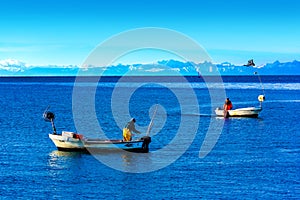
pixel 193 153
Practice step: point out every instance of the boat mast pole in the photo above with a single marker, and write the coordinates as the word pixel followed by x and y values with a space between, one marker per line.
pixel 49 116
pixel 151 122
pixel 53 126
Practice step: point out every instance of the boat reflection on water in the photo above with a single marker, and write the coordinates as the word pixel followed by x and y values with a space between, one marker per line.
pixel 57 153
pixel 60 159
pixel 127 159
pixel 120 160
pixel 124 161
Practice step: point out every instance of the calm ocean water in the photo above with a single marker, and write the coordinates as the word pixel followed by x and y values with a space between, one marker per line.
pixel 252 158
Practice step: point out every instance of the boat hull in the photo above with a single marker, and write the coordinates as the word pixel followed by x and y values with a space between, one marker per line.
pixel 241 112
pixel 67 142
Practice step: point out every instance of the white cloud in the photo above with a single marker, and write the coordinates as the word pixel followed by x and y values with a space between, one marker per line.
pixel 13 65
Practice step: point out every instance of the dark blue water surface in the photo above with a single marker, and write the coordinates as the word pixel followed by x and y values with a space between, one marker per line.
pixel 252 158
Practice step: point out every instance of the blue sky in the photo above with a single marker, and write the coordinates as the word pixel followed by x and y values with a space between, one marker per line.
pixel 64 32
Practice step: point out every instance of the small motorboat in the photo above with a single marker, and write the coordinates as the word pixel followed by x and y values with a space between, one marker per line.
pixel 70 141
pixel 242 112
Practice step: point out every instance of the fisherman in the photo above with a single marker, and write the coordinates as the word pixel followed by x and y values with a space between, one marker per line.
pixel 129 128
pixel 227 104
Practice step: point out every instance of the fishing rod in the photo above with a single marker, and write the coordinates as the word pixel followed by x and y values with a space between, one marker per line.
pixel 261 98
pixel 151 122
pixel 252 64
pixel 259 78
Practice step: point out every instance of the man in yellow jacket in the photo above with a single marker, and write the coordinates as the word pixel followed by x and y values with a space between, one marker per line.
pixel 129 128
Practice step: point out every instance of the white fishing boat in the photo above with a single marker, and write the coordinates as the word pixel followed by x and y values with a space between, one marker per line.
pixel 70 141
pixel 242 112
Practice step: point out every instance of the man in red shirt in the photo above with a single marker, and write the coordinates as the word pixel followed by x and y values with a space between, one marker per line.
pixel 227 106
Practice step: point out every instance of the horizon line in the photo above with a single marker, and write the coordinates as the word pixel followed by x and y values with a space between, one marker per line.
pixel 15 63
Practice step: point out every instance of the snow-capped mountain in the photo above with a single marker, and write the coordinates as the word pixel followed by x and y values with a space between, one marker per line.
pixel 11 67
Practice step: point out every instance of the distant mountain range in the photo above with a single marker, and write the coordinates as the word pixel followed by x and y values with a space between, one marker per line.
pixel 161 68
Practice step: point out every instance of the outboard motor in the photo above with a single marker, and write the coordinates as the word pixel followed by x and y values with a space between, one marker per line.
pixel 49 117
pixel 146 142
